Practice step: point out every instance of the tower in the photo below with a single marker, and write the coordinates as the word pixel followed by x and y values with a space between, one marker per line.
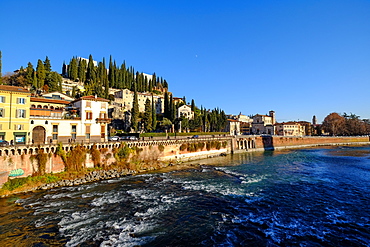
pixel 272 115
pixel 314 120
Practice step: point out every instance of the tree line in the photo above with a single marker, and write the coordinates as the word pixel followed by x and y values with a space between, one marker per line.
pixel 345 125
pixel 41 78
pixel 97 79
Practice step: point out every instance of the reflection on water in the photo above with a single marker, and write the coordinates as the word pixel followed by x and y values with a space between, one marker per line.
pixel 310 197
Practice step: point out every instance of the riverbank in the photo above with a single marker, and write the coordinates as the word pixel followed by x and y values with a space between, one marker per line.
pixel 99 175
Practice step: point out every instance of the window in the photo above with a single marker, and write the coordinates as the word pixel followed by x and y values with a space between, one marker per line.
pixel 55 132
pixel 88 104
pixel 89 115
pixel 73 131
pixel 2 112
pixel 103 105
pixel 21 113
pixel 21 101
pixel 102 131
pixel 87 131
pixel 18 127
pixel 2 99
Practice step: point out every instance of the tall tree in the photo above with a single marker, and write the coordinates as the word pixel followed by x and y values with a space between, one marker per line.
pixel 47 65
pixel 166 109
pixel 81 71
pixel 154 115
pixel 90 73
pixel 192 105
pixel 148 120
pixel 72 69
pixel 135 112
pixel 41 74
pixel 54 81
pixel 334 124
pixel 29 74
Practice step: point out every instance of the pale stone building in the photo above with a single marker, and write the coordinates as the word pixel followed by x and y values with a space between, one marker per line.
pixel 185 111
pixel 125 98
pixel 290 129
pixel 264 124
pixel 233 127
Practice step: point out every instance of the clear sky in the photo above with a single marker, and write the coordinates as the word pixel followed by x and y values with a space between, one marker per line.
pixel 299 58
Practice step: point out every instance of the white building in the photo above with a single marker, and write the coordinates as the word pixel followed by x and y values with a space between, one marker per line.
pixel 83 120
pixel 185 111
pixel 263 124
pixel 125 98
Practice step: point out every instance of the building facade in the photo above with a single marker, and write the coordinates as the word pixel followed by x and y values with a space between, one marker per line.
pixel 290 129
pixel 264 124
pixel 185 111
pixel 82 120
pixel 14 114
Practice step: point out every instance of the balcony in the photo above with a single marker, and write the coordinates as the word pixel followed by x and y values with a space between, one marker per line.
pixel 103 120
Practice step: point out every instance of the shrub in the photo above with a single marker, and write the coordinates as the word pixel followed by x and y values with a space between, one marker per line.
pixel 161 148
pixel 183 147
pixel 41 158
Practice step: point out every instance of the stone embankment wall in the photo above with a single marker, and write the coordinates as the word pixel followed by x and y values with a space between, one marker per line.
pixel 24 157
pixel 267 142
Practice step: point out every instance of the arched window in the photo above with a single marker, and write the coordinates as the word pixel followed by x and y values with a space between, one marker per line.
pixel 39 107
pixel 45 107
pixel 32 122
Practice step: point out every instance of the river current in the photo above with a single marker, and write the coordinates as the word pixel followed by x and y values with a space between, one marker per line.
pixel 306 197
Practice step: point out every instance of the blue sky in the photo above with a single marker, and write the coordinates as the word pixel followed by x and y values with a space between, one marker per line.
pixel 299 58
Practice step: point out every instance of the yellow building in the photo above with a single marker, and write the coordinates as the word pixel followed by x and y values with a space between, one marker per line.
pixel 14 114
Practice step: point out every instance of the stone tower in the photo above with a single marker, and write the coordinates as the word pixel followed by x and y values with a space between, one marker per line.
pixel 272 115
pixel 314 120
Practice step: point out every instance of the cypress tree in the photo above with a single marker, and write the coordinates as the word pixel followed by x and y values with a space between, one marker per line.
pixel 34 80
pixel 154 115
pixel 90 72
pixel 29 73
pixel 148 120
pixel 166 106
pixel 192 105
pixel 41 75
pixel 72 69
pixel 135 112
pixel 47 65
pixel 82 65
pixel 64 69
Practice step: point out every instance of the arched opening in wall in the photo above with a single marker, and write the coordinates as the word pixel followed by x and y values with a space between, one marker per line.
pixel 19 151
pixel 13 152
pixel 25 151
pixel 38 135
pixel 6 152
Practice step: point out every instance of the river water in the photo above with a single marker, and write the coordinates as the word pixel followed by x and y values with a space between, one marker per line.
pixel 308 197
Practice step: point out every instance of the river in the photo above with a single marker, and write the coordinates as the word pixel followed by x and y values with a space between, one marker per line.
pixel 306 197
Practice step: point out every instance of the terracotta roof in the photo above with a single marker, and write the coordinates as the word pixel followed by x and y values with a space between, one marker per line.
pixel 233 120
pixel 91 97
pixel 13 89
pixel 54 101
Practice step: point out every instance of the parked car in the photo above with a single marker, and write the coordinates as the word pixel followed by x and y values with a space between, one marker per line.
pixel 113 138
pixel 129 138
pixel 195 136
pixel 133 138
pixel 4 143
